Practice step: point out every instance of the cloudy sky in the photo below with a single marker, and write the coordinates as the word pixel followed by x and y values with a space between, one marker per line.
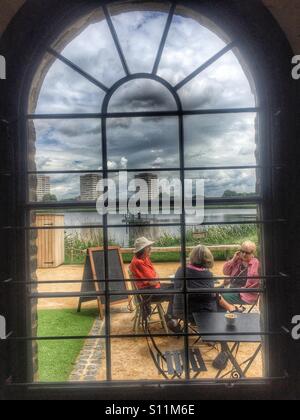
pixel 213 140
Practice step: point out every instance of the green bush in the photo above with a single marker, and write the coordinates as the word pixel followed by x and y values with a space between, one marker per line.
pixel 214 235
pixel 76 245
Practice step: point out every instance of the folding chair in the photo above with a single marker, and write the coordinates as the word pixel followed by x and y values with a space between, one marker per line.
pixel 254 305
pixel 156 309
pixel 248 309
pixel 171 364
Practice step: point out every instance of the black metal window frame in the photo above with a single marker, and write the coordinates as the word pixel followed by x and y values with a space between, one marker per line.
pixel 104 116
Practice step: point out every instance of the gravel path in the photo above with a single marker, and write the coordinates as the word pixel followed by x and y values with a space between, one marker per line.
pixel 89 361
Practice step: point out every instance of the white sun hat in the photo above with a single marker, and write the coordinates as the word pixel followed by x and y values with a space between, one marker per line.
pixel 142 243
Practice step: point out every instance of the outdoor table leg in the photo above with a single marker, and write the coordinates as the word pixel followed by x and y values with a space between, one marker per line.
pixel 247 362
pixel 251 360
pixel 225 350
pixel 232 359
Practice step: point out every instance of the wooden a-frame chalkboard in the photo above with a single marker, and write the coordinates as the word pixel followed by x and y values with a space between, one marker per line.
pixel 94 269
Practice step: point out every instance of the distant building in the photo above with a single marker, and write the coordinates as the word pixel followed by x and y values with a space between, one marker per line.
pixel 88 187
pixel 152 185
pixel 43 187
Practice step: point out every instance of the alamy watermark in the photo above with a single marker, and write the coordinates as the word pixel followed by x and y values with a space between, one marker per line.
pixel 2 328
pixel 296 329
pixel 147 194
pixel 2 68
pixel 296 69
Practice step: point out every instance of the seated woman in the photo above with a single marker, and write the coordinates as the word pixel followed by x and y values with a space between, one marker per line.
pixel 199 277
pixel 146 278
pixel 243 264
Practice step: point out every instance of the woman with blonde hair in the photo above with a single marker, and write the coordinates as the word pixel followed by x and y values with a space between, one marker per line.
pixel 198 276
pixel 243 271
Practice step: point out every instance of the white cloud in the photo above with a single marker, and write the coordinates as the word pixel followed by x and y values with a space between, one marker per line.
pixel 112 165
pixel 140 35
pixel 159 161
pixel 123 163
pixel 188 46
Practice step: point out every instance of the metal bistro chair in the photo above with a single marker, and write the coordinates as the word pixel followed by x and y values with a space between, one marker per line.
pixel 248 309
pixel 171 364
pixel 256 304
pixel 139 303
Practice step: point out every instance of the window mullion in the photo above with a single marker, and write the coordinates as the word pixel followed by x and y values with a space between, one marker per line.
pixel 78 69
pixel 205 65
pixel 116 40
pixel 164 39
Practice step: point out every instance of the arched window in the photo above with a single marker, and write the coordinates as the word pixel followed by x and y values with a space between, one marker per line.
pixel 154 91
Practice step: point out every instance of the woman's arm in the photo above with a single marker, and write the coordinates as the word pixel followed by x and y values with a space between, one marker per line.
pixel 253 283
pixel 144 273
pixel 230 265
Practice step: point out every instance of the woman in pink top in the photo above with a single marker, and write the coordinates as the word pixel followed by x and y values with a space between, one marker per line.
pixel 243 264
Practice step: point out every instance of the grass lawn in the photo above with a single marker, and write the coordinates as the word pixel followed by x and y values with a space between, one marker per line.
pixel 57 358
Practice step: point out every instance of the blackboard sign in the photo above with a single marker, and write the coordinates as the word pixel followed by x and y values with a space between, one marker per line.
pixel 94 269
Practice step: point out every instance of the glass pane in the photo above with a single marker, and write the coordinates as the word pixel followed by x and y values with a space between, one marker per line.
pixel 64 91
pixel 64 187
pixel 222 85
pixel 189 45
pixel 69 360
pixel 236 183
pixel 82 217
pixel 94 52
pixel 221 140
pixel 60 251
pixel 228 214
pixel 165 257
pixel 140 33
pixel 143 143
pixel 166 250
pixel 65 144
pixel 224 240
pixel 144 197
pixel 142 95
pixel 126 237
pixel 63 361
pixel 126 220
pixel 60 306
pixel 131 358
pixel 164 237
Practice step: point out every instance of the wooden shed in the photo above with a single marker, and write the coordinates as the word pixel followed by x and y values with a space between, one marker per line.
pixel 50 242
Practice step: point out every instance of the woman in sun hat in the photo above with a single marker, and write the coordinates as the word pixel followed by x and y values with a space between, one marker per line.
pixel 143 271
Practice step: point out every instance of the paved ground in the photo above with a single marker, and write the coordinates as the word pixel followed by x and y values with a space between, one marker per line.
pixel 131 358
pixel 75 272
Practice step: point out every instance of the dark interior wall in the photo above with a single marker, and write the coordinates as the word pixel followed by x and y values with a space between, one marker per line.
pixel 5 238
pixel 266 48
pixel 292 255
